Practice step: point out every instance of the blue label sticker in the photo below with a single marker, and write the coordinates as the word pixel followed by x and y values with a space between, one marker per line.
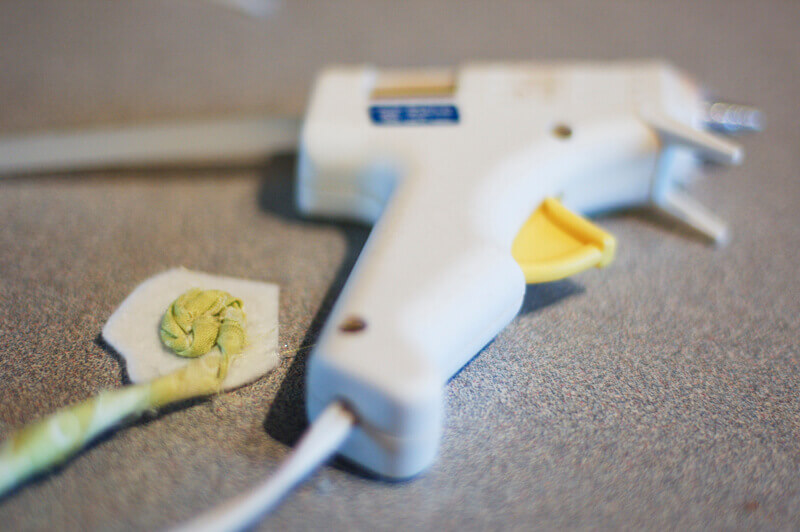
pixel 413 115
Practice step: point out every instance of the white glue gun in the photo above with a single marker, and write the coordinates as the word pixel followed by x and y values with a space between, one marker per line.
pixel 474 180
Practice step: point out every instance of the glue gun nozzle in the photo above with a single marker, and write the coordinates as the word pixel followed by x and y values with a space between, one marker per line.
pixel 731 118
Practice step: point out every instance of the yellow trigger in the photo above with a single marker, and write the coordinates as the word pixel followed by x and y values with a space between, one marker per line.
pixel 555 243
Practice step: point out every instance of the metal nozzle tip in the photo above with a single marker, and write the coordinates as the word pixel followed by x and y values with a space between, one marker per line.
pixel 731 118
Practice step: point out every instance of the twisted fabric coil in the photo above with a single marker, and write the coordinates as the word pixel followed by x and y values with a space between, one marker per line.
pixel 201 319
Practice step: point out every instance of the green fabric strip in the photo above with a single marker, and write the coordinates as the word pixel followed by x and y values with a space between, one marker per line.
pixel 192 326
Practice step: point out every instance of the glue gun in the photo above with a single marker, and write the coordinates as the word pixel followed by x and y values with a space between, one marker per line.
pixel 476 181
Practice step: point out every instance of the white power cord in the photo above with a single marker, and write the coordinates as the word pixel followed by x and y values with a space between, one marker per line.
pixel 320 441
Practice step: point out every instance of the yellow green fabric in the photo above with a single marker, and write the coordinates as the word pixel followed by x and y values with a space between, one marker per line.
pixel 192 326
pixel 201 319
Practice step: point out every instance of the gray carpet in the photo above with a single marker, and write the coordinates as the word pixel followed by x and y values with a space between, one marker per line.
pixel 658 393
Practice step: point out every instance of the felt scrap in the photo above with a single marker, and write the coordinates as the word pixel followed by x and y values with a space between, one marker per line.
pixel 133 329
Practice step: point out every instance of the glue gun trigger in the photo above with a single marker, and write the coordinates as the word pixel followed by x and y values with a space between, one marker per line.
pixel 555 243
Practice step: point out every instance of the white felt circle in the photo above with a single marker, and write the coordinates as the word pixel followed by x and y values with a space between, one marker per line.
pixel 133 329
